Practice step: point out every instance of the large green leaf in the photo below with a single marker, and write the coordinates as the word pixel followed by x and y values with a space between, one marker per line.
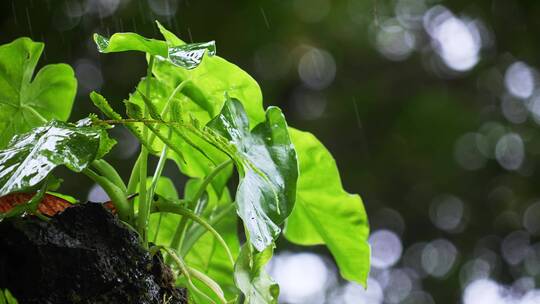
pixel 30 157
pixel 187 56
pixel 268 168
pixel 252 279
pixel 324 213
pixel 198 94
pixel 26 103
pixel 207 85
pixel 193 162
pixel 122 42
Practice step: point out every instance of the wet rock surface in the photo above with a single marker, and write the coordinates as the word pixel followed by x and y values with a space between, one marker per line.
pixel 82 255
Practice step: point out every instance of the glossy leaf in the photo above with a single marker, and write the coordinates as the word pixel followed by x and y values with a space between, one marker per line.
pixel 324 213
pixel 268 168
pixel 198 94
pixel 27 102
pixel 30 157
pixel 122 42
pixel 194 163
pixel 187 56
pixel 251 278
pixel 207 85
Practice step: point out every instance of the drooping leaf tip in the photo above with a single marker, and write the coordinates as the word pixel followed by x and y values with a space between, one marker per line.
pixel 101 42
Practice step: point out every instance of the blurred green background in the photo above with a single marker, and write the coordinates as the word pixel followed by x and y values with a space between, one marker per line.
pixel 431 108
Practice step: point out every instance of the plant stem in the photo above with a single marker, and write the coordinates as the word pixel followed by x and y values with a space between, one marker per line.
pixel 180 233
pixel 108 171
pixel 185 271
pixel 143 199
pixel 144 202
pixel 117 196
pixel 155 178
pixel 199 231
pixel 132 184
pixel 142 216
pixel 163 206
pixel 167 104
pixel 209 178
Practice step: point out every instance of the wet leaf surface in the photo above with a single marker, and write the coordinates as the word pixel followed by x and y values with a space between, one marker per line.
pixel 251 277
pixel 266 160
pixel 28 101
pixel 31 157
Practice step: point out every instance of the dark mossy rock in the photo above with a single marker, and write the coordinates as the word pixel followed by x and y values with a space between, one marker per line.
pixel 82 255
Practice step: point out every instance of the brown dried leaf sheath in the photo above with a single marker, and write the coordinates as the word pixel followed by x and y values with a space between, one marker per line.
pixel 49 205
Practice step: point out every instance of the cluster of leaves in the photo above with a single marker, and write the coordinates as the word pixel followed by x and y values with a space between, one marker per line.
pixel 206 115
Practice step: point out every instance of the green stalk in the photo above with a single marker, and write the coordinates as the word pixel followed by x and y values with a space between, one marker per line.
pixel 163 206
pixel 166 141
pixel 155 178
pixel 176 90
pixel 206 280
pixel 185 271
pixel 209 178
pixel 179 234
pixel 108 171
pixel 142 216
pixel 181 230
pixel 132 184
pixel 196 233
pixel 117 196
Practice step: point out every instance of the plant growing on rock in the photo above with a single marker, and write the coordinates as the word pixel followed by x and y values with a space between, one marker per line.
pixel 206 115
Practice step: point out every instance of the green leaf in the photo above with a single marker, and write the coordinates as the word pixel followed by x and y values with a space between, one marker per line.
pixel 122 42
pixel 26 103
pixel 33 155
pixel 268 169
pixel 324 213
pixel 187 56
pixel 209 82
pixel 193 163
pixel 105 144
pixel 103 105
pixel 198 94
pixel 252 279
pixel 207 255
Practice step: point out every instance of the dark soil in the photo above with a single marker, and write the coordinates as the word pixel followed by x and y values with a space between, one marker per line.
pixel 82 255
